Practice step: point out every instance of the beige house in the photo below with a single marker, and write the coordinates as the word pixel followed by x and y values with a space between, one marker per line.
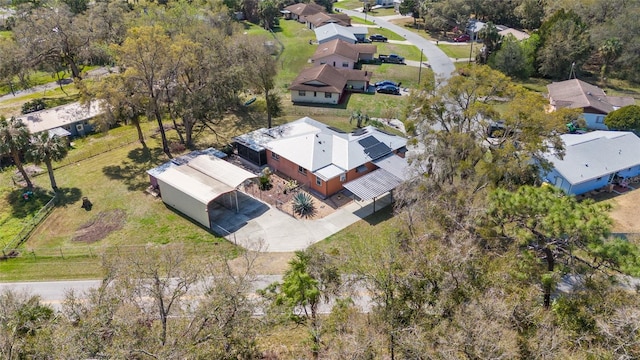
pixel 342 54
pixel 320 19
pixel 301 11
pixel 326 84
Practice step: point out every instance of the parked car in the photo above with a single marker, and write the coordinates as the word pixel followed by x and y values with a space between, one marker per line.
pixel 462 38
pixel 386 82
pixel 391 59
pixel 377 37
pixel 388 89
pixel 365 41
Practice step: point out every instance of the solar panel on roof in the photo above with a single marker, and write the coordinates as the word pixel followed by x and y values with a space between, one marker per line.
pixel 377 151
pixel 369 141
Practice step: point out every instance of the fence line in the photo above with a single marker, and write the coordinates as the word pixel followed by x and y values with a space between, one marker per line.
pixel 90 251
pixel 33 223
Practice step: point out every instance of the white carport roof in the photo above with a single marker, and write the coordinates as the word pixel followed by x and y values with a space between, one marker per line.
pixel 393 171
pixel 205 177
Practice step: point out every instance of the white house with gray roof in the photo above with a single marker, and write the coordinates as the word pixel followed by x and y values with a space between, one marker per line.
pixel 594 160
pixel 368 162
pixel 71 119
pixel 332 31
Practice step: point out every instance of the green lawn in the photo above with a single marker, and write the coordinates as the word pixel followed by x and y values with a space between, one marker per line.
pixel 5 34
pixel 459 51
pixel 386 33
pixel 382 223
pixel 355 21
pixel 297 51
pixel 409 52
pixel 15 211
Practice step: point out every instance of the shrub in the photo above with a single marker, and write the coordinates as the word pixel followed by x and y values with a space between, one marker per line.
pixel 303 204
pixel 33 105
pixel 265 179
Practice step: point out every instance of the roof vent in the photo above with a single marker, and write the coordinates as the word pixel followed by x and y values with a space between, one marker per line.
pixel 587 165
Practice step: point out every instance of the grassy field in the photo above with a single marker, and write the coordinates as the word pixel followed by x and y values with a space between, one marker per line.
pixel 297 51
pixel 409 52
pixel 53 97
pixel 459 51
pixel 386 33
pixel 114 181
pixel 5 34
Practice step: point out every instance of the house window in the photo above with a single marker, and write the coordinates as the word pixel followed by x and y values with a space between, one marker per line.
pixel 343 177
pixel 302 93
pixel 302 170
pixel 275 156
pixel 327 95
pixel 322 62
pixel 345 64
pixel 315 93
pixel 318 181
pixel 361 169
pixel 600 120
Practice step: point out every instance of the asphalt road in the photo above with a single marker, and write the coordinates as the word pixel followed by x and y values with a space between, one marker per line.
pixel 53 292
pixel 440 63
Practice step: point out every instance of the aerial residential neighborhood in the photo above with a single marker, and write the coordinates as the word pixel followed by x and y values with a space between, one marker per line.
pixel 398 179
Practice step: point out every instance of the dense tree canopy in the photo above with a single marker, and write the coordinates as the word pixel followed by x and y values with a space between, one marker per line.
pixel 625 118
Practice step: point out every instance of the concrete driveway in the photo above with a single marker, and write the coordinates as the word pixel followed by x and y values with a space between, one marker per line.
pixel 275 231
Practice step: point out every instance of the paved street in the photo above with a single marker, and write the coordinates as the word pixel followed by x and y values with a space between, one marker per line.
pixel 439 61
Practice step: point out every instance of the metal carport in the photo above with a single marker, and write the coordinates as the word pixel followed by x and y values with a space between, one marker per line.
pixel 393 171
pixel 191 187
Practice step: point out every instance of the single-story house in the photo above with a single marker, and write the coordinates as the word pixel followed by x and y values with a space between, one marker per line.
pixel 384 3
pixel 342 54
pixel 301 11
pixel 66 120
pixel 519 35
pixel 321 19
pixel 368 162
pixel 325 84
pixel 332 31
pixel 593 160
pixel 196 183
pixel 474 28
pixel 595 104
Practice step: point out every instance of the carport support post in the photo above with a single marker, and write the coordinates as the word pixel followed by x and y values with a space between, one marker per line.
pixel 374 205
pixel 237 206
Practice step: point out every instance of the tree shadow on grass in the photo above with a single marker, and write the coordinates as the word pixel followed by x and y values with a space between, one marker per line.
pixel 145 155
pixel 132 171
pixel 25 203
pixel 68 196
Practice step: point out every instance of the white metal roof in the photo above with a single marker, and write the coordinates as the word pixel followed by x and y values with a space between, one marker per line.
pixel 394 164
pixel 373 184
pixel 314 145
pixel 596 154
pixel 204 177
pixel 329 172
pixel 60 116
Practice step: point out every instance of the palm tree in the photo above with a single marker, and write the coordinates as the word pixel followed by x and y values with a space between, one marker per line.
pixel 47 149
pixel 610 50
pixel 14 139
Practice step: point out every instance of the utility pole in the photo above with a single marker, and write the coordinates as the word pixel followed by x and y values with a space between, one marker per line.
pixel 420 69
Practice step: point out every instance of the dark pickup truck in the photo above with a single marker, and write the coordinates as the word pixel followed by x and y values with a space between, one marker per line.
pixel 391 59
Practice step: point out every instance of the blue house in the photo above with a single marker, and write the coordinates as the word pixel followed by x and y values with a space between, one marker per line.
pixel 595 104
pixel 594 160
